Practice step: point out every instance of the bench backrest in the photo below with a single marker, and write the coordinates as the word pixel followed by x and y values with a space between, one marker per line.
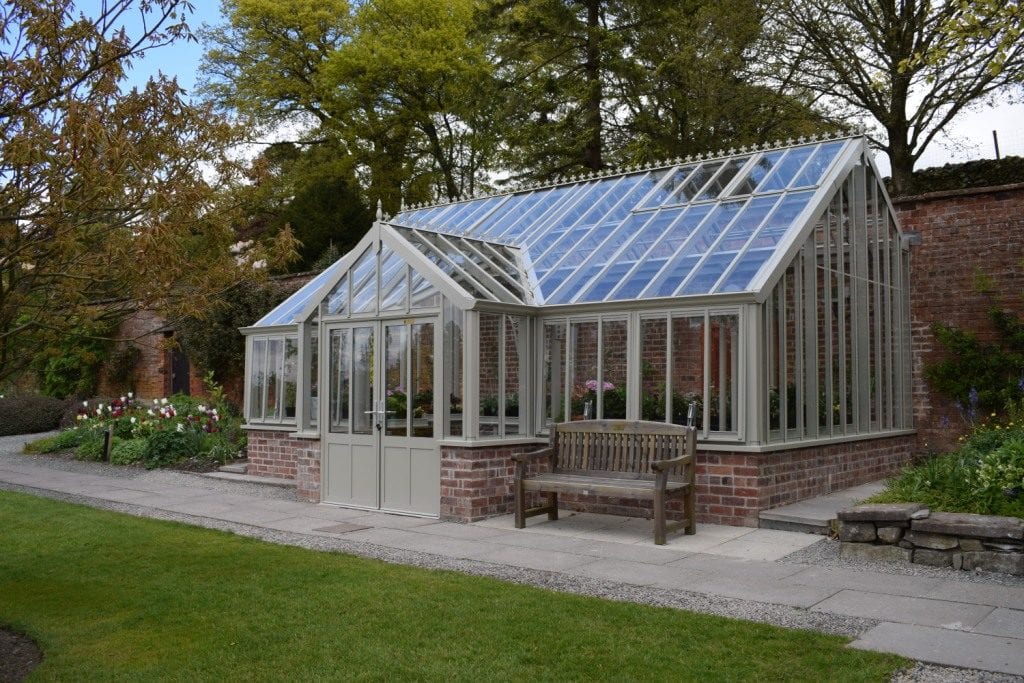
pixel 618 446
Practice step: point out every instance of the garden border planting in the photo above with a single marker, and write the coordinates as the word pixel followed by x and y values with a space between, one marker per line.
pixel 910 532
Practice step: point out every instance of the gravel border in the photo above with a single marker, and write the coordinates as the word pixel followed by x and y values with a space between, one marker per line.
pixel 821 554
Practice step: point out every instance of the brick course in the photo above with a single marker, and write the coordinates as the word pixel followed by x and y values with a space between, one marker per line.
pixel 280 455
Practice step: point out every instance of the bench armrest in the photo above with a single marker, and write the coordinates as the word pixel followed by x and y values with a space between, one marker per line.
pixel 663 465
pixel 526 457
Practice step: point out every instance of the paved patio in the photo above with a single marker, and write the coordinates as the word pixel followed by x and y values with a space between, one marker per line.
pixel 938 620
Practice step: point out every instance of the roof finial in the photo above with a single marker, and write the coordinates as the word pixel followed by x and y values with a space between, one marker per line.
pixel 401 204
pixel 380 210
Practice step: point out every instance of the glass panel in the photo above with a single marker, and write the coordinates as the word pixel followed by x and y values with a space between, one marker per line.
pixel 257 378
pixel 554 373
pixel 454 321
pixel 724 358
pixel 724 177
pixel 289 310
pixel 774 355
pixel 424 294
pixel 511 210
pixel 785 171
pixel 337 299
pixel 692 187
pixel 757 172
pixel 675 236
pixel 653 368
pixel 396 385
pixel 395 294
pixel 613 369
pixel 688 370
pixel 364 286
pixel 340 369
pixel 550 202
pixel 290 375
pixel 583 368
pixel 818 164
pixel 314 377
pixel 363 345
pixel 677 176
pixel 515 335
pixel 690 254
pixel 275 358
pixel 537 240
pixel 490 368
pixel 421 379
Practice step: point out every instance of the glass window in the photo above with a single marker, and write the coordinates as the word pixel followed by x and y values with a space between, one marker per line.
pixel 688 370
pixel 490 370
pixel 273 379
pixel 396 387
pixel 314 377
pixel 723 361
pixel 653 368
pixel 583 378
pixel 340 368
pixel 421 378
pixel 786 170
pixel 515 338
pixel 761 168
pixel 290 376
pixel 612 382
pixel 257 378
pixel 272 399
pixel 554 373
pixel 363 349
pixel 815 168
pixel 454 323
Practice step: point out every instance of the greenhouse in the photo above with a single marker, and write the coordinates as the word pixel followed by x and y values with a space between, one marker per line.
pixel 760 294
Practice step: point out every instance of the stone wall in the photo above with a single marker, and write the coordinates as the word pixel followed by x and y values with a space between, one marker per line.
pixel 909 532
pixel 281 455
pixel 962 234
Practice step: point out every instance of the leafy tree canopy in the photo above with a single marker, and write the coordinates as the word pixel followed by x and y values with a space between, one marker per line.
pixel 107 196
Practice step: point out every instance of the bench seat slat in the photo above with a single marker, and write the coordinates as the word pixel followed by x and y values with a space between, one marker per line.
pixel 597 486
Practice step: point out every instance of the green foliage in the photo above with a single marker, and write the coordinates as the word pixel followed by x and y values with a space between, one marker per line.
pixel 213 342
pixel 169 447
pixel 399 622
pixel 30 414
pixel 70 367
pixel 48 444
pixel 128 451
pixel 980 375
pixel 985 475
pixel 69 438
pixel 121 364
pixel 90 447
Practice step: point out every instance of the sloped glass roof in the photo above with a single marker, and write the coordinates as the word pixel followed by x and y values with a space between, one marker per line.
pixel 696 228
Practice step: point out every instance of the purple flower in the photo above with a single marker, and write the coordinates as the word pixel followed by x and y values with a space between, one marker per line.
pixel 944 422
pixel 1020 383
pixel 973 398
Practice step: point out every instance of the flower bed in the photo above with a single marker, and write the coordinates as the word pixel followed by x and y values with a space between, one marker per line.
pixel 175 431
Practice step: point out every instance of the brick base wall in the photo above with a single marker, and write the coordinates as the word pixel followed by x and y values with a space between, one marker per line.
pixel 476 483
pixel 280 455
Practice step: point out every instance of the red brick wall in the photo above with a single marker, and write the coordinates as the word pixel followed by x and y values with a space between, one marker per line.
pixel 280 455
pixel 962 233
pixel 476 483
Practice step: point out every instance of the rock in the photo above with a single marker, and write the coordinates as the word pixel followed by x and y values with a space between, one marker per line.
pixel 874 553
pixel 1006 563
pixel 890 534
pixel 921 514
pixel 1004 547
pixel 880 512
pixel 978 526
pixel 934 541
pixel 861 532
pixel 971 544
pixel 933 558
pixel 958 561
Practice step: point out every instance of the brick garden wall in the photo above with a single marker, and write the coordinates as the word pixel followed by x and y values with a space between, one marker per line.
pixel 962 233
pixel 280 455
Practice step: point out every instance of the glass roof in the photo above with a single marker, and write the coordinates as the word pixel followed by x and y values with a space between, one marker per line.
pixel 696 228
pixel 700 227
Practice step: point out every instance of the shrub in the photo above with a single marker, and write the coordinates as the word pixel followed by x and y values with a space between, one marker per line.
pixel 48 444
pixel 168 447
pixel 30 414
pixel 91 447
pixel 128 451
pixel 70 438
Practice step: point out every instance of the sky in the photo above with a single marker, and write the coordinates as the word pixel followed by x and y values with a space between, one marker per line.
pixel 968 138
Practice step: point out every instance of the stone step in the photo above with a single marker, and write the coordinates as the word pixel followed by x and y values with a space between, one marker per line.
pixel 815 515
pixel 239 467
pixel 251 479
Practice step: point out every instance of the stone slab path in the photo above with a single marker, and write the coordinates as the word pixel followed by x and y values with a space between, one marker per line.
pixel 936 620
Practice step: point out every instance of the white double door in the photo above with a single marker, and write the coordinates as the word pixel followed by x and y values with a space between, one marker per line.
pixel 378 420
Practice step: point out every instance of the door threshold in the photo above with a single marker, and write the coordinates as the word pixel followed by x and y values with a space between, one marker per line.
pixel 400 513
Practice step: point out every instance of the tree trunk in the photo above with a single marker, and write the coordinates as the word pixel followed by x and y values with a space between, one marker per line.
pixel 901 161
pixel 592 105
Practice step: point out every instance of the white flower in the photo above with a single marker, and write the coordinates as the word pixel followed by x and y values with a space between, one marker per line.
pixel 131 395
pixel 201 408
pixel 181 427
pixel 99 407
pixel 133 420
pixel 85 403
pixel 163 401
pixel 155 401
pixel 123 399
pixel 99 412
pixel 150 412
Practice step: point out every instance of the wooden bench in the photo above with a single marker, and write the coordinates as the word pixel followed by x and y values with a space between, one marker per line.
pixel 619 458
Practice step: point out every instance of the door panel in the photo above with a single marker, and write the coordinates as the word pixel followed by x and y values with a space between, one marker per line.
pixel 379 450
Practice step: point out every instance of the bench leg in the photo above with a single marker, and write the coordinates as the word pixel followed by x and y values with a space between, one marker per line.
pixel 691 515
pixel 553 504
pixel 659 516
pixel 520 504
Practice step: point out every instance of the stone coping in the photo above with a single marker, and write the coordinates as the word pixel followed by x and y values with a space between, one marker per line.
pixel 909 532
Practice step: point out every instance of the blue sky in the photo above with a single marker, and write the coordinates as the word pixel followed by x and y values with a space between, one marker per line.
pixel 970 136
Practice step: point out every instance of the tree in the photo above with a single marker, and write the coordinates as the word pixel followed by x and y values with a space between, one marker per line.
pixel 108 197
pixel 589 84
pixel 399 85
pixel 899 62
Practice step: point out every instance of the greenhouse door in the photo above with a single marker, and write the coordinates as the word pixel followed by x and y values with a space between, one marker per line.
pixel 379 450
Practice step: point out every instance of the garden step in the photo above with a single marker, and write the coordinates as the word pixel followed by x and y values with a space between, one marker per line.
pixel 252 479
pixel 815 515
pixel 234 468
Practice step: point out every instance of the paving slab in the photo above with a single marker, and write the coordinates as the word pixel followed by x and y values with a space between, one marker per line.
pixel 943 646
pixel 874 582
pixel 463 531
pixel 756 590
pixel 1003 622
pixel 766 544
pixel 905 610
pixel 624 571
pixel 979 593
pixel 543 560
pixel 819 512
pixel 735 569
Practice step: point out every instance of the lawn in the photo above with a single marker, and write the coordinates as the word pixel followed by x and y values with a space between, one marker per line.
pixel 112 596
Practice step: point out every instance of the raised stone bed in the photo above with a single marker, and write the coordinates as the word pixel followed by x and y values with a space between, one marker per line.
pixel 909 532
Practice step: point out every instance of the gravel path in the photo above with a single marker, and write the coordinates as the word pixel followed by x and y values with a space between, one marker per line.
pixel 824 553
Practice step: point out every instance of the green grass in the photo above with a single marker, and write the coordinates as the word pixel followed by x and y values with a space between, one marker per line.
pixel 110 596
